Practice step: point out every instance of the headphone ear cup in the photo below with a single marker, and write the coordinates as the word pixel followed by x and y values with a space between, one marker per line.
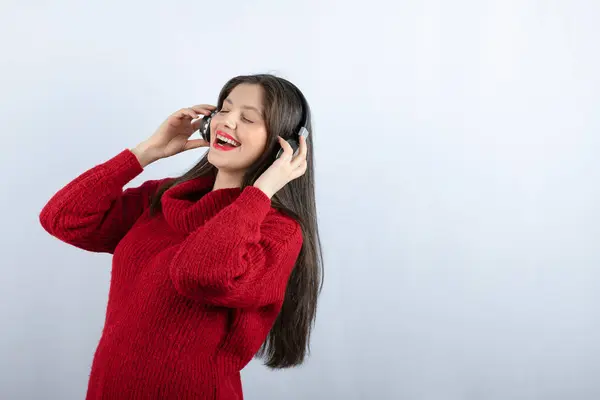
pixel 207 132
pixel 295 146
pixel 205 128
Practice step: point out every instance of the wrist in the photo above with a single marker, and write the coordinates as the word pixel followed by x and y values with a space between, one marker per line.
pixel 264 190
pixel 143 155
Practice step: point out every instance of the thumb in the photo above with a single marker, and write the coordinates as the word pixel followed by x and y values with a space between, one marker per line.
pixel 195 143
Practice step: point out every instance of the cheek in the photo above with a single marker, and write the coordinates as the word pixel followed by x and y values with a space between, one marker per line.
pixel 213 128
pixel 256 139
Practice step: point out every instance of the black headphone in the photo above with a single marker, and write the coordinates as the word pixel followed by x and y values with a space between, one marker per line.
pixel 295 143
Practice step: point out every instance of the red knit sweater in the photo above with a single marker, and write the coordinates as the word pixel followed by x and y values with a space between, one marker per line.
pixel 194 289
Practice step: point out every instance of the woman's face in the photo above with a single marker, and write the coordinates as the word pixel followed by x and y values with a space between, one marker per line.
pixel 238 132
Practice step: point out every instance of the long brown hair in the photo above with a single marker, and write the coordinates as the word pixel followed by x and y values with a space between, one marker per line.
pixel 285 108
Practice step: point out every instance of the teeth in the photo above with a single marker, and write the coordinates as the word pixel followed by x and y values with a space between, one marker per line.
pixel 224 139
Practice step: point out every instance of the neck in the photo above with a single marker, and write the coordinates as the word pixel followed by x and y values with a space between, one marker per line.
pixel 227 180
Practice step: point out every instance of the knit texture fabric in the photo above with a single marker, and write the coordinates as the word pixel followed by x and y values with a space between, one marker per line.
pixel 194 289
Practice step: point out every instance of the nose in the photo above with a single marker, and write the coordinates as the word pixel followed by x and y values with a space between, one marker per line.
pixel 230 123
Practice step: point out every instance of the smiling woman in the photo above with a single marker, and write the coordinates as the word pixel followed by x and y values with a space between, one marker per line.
pixel 210 269
pixel 239 121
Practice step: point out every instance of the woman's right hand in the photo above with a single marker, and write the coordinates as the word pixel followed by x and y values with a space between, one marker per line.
pixel 172 136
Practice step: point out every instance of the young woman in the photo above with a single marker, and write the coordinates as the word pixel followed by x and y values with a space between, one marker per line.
pixel 209 269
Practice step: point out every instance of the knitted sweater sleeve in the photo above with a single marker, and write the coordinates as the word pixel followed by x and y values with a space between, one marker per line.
pixel 240 258
pixel 92 212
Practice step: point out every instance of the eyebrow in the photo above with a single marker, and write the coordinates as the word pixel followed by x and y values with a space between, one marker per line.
pixel 245 107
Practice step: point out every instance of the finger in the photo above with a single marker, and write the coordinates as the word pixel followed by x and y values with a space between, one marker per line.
pixel 190 113
pixel 195 143
pixel 205 109
pixel 302 151
pixel 288 152
pixel 183 113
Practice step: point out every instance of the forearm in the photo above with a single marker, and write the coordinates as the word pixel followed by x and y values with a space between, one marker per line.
pixel 240 256
pixel 143 154
pixel 93 204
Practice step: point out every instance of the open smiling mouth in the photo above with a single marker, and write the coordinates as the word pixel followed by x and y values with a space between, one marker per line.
pixel 225 142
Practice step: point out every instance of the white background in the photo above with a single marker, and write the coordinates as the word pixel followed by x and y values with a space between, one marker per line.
pixel 457 171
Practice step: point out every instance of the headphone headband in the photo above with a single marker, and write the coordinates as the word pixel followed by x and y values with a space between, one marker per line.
pixel 306 115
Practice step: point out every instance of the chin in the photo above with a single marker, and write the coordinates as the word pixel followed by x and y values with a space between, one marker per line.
pixel 211 158
pixel 224 163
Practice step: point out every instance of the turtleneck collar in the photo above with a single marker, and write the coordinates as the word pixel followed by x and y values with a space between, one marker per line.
pixel 190 204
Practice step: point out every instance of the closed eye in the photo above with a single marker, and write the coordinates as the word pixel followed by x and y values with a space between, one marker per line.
pixel 243 117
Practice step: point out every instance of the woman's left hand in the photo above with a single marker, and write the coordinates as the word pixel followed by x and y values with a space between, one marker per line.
pixel 285 169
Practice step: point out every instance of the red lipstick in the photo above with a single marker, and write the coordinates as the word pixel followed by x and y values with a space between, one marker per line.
pixel 225 145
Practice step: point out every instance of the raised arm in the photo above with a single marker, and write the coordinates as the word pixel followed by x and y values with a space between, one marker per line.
pixel 92 212
pixel 241 258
